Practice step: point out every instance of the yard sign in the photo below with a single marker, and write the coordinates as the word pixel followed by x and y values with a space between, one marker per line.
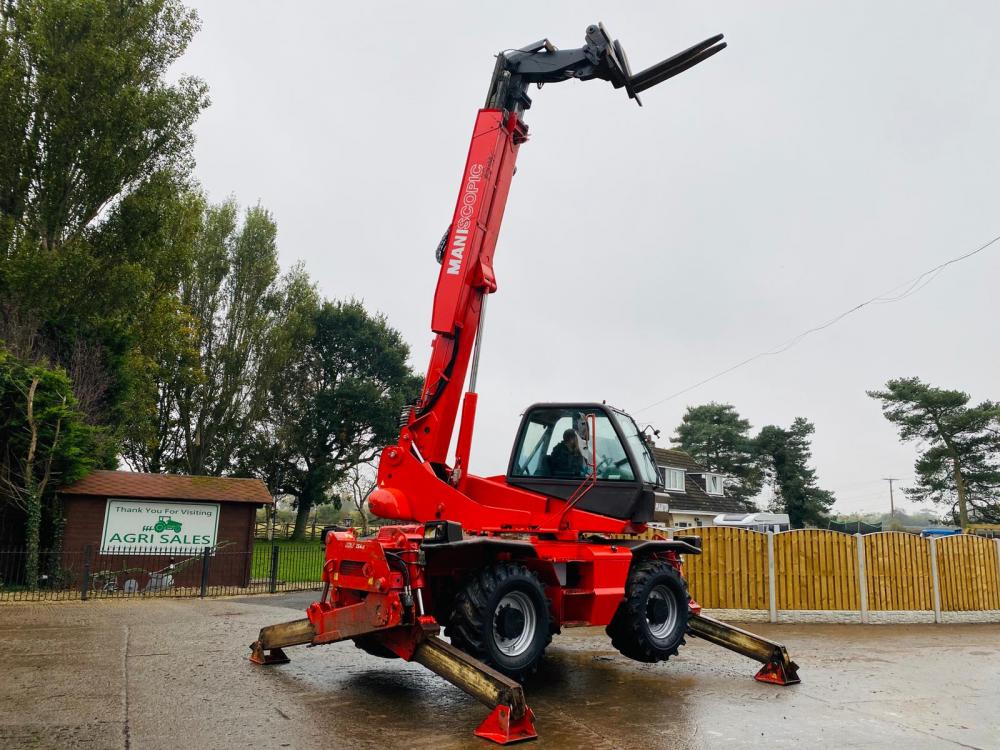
pixel 159 526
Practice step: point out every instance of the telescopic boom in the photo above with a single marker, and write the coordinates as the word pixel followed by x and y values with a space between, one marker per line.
pixel 466 251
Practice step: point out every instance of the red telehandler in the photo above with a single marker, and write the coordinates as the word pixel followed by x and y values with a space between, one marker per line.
pixel 505 562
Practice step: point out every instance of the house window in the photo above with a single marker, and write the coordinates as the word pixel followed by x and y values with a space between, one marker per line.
pixel 714 484
pixel 672 479
pixel 682 524
pixel 698 521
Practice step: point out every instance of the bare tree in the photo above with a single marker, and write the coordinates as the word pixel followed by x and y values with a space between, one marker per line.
pixel 359 483
pixel 21 333
pixel 91 380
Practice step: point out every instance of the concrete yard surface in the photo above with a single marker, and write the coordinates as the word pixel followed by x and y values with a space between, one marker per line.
pixel 173 673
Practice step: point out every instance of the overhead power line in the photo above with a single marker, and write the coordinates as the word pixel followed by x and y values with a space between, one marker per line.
pixel 895 294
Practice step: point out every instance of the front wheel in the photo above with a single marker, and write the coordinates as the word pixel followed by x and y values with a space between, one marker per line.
pixel 650 624
pixel 501 617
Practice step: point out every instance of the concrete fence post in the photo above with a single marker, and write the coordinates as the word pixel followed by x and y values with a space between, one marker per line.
pixel 935 580
pixel 862 579
pixel 772 589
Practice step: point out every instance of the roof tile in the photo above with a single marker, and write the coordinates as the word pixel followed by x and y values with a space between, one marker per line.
pixel 173 486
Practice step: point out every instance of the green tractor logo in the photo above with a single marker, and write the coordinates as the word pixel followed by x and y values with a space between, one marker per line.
pixel 166 523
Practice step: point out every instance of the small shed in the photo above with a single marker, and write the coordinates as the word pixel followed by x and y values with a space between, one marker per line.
pixel 145 524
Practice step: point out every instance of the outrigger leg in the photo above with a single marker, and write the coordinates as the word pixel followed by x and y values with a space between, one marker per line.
pixel 778 668
pixel 510 719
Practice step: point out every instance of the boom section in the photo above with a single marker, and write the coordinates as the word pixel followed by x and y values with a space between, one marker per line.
pixel 466 275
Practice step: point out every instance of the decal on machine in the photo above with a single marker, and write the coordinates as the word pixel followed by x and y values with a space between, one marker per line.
pixel 468 205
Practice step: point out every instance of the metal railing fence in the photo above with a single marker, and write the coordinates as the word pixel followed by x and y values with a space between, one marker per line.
pixel 91 573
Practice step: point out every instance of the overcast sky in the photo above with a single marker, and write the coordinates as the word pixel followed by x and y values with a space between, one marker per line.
pixel 832 152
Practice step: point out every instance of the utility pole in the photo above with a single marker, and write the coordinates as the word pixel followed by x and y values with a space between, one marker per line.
pixel 892 504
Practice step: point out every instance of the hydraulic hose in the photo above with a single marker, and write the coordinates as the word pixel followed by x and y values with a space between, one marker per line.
pixel 407 590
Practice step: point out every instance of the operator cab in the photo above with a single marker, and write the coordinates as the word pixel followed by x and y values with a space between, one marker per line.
pixel 559 445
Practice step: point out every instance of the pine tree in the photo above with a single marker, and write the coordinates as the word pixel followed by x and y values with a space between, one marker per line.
pixel 784 456
pixel 718 438
pixel 959 464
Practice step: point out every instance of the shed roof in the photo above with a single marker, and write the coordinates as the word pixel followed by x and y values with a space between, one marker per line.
pixel 130 484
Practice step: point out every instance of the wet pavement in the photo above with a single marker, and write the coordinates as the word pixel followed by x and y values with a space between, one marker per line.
pixel 173 674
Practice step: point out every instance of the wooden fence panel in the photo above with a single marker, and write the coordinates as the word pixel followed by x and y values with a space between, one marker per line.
pixel 967 567
pixel 898 568
pixel 731 571
pixel 284 530
pixel 816 569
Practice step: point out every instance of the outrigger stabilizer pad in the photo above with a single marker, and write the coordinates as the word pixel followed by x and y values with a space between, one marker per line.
pixel 502 728
pixel 273 656
pixel 776 673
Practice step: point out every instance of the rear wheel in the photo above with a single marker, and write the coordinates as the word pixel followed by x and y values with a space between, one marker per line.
pixel 501 617
pixel 650 624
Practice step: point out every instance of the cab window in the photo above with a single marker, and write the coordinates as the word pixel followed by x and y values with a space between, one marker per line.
pixel 647 467
pixel 556 444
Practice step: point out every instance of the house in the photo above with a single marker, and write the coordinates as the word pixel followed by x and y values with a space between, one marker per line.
pixel 696 495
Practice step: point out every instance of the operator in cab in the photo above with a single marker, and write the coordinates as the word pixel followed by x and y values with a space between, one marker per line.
pixel 566 459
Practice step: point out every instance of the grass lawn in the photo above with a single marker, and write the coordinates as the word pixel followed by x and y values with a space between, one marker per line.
pixel 297 561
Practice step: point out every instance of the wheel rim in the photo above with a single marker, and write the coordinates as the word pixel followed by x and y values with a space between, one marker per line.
pixel 661 612
pixel 514 624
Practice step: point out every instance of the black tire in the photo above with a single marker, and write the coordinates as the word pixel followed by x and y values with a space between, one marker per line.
pixel 650 624
pixel 501 617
